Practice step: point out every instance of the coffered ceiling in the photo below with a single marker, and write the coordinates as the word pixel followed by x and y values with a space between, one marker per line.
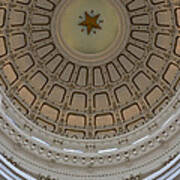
pixel 90 83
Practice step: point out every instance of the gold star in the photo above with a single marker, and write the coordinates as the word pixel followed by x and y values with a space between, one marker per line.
pixel 90 22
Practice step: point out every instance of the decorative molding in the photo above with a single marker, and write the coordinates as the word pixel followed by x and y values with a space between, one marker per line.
pixel 35 127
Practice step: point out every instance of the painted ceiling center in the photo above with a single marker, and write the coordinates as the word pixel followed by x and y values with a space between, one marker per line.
pixel 90 31
pixel 91 22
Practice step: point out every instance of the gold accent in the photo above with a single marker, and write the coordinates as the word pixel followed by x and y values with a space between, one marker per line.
pixel 90 22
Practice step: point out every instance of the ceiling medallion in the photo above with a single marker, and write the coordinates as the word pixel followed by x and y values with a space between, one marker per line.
pixel 90 22
pixel 93 37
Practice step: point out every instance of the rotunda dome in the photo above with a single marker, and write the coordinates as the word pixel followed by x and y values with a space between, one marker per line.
pixel 90 83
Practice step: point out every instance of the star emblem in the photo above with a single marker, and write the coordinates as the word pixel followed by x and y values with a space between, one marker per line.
pixel 90 22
